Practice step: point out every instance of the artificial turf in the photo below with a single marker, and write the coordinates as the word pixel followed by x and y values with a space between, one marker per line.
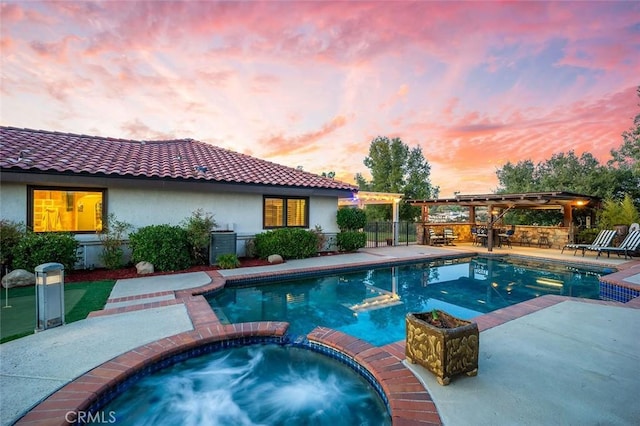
pixel 18 311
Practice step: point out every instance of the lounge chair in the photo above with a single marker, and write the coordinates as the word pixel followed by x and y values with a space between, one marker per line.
pixel 630 244
pixel 603 239
pixel 434 238
pixel 449 236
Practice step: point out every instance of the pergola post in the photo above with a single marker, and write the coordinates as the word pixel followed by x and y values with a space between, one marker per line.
pixel 568 217
pixel 396 220
pixel 490 229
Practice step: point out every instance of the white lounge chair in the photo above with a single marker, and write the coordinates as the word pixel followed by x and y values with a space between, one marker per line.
pixel 603 239
pixel 435 239
pixel 630 244
pixel 449 236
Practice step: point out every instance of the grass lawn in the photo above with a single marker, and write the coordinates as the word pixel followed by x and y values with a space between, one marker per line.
pixel 80 299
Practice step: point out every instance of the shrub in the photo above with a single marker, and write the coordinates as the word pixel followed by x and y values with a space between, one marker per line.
pixel 586 236
pixel 618 213
pixel 351 219
pixel 290 243
pixel 112 237
pixel 250 248
pixel 351 240
pixel 322 238
pixel 10 235
pixel 227 261
pixel 199 226
pixel 166 247
pixel 37 248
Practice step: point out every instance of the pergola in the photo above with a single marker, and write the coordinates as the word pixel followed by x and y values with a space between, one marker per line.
pixel 363 198
pixel 554 200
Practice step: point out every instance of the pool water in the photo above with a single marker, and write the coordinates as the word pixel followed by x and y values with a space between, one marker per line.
pixel 372 304
pixel 251 385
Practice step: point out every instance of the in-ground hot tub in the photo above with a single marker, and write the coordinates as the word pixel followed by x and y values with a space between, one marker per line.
pixel 247 385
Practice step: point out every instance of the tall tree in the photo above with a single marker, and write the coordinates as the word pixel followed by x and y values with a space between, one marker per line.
pixel 562 172
pixel 626 162
pixel 397 168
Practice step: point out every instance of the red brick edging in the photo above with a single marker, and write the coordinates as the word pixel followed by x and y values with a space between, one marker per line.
pixel 409 401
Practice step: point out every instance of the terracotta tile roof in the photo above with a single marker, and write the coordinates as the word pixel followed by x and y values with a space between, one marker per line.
pixel 27 149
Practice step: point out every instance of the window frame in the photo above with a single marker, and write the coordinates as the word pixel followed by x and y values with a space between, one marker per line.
pixel 31 204
pixel 285 200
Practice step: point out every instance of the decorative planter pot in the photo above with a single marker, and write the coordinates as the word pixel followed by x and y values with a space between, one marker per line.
pixel 445 352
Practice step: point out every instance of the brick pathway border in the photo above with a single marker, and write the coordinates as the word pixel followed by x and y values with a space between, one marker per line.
pixel 409 402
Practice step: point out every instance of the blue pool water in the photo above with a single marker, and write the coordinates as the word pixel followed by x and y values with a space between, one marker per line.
pixel 372 304
pixel 251 385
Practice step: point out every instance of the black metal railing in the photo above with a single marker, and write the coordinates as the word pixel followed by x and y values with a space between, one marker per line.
pixel 382 233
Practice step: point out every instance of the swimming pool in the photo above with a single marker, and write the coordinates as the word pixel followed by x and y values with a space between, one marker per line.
pixel 372 304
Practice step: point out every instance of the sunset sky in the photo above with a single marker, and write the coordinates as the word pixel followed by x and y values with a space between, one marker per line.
pixel 311 84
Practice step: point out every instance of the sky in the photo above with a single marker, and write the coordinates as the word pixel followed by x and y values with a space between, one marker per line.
pixel 310 84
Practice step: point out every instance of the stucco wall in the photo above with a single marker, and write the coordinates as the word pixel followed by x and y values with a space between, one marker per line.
pixel 13 202
pixel 240 212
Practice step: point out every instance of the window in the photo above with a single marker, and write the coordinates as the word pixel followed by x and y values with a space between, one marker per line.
pixel 282 212
pixel 63 209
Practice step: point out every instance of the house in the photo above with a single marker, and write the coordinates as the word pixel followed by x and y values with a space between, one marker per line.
pixel 55 181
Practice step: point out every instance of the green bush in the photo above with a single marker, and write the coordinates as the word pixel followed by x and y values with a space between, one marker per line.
pixel 199 226
pixel 37 248
pixel 10 235
pixel 586 236
pixel 167 247
pixel 290 243
pixel 351 219
pixel 112 237
pixel 227 261
pixel 351 240
pixel 618 213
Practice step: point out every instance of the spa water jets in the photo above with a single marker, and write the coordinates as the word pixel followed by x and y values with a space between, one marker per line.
pixel 255 385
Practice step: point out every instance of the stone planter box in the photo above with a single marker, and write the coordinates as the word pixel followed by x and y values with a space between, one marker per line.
pixel 445 352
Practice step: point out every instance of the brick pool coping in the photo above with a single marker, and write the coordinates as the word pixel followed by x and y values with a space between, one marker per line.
pixel 408 400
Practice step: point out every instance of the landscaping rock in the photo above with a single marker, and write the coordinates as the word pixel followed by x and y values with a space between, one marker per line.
pixel 144 268
pixel 275 259
pixel 19 278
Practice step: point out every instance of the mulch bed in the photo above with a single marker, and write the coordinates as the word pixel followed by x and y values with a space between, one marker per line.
pixel 119 274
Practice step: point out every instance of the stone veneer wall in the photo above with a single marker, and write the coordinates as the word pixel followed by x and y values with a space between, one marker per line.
pixel 558 236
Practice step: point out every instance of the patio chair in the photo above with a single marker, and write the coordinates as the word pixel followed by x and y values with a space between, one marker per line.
pixel 434 238
pixel 505 238
pixel 630 244
pixel 603 239
pixel 449 236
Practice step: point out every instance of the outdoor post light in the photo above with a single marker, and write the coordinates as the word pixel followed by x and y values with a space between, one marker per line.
pixel 49 295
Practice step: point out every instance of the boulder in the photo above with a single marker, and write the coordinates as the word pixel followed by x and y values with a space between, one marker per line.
pixel 275 259
pixel 19 278
pixel 144 268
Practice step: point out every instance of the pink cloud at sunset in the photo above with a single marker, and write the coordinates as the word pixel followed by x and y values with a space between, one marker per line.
pixel 311 84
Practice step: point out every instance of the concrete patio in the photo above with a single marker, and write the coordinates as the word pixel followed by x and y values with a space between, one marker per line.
pixel 569 362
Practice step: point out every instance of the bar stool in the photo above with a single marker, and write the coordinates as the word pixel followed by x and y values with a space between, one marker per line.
pixel 543 239
pixel 525 238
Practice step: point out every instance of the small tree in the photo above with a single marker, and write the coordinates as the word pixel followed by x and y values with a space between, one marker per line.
pixel 112 237
pixel 350 221
pixel 199 226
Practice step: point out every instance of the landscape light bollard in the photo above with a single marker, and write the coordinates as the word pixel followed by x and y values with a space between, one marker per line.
pixel 49 295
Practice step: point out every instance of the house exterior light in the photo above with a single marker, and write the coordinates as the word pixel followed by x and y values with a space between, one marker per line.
pixel 49 295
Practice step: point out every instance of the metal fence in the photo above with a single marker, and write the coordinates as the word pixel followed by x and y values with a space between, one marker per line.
pixel 381 233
